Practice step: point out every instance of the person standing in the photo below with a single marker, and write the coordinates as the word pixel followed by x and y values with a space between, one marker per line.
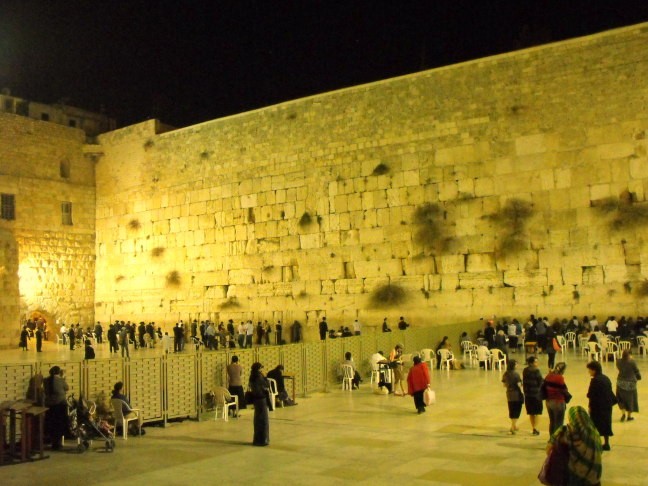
pixel 601 400
pixel 260 389
pixel 357 328
pixel 556 395
pixel 39 339
pixel 141 331
pixel 24 337
pixel 296 332
pixel 583 445
pixel 514 394
pixel 259 332
pixel 531 383
pixel 235 381
pixel 99 333
pixel 71 337
pixel 267 330
pixel 626 391
pixel 241 334
pixel 177 339
pixel 249 334
pixel 56 417
pixel 323 329
pixel 418 380
pixel 123 341
pixel 551 343
pixel 396 363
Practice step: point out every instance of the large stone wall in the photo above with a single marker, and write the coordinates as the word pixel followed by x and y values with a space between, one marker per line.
pixel 55 262
pixel 205 221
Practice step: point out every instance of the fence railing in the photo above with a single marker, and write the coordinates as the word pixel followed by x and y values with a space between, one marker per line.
pixel 173 385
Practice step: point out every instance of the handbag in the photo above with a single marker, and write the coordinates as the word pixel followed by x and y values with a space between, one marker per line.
pixel 554 469
pixel 556 346
pixel 568 396
pixel 429 396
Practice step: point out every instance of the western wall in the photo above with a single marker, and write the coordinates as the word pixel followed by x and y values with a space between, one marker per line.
pixel 509 185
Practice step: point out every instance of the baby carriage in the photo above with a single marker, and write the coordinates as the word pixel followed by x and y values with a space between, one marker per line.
pixel 85 427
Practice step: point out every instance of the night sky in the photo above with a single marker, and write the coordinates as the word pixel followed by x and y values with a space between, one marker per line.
pixel 189 61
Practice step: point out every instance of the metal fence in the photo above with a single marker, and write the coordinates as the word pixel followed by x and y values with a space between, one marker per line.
pixel 171 386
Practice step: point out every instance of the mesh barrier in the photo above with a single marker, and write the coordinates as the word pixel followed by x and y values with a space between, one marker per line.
pixel 314 367
pixel 74 374
pixel 334 355
pixel 101 376
pixel 293 360
pixel 181 385
pixel 145 386
pixel 15 381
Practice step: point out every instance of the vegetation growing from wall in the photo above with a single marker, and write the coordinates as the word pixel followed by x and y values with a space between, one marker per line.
pixel 173 279
pixel 512 220
pixel 231 303
pixel 386 296
pixel 429 233
pixel 305 220
pixel 158 251
pixel 134 224
pixel 624 212
pixel 380 169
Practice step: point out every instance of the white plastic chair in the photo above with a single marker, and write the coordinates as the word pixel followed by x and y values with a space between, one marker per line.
pixel 612 349
pixel 273 392
pixel 594 351
pixel 466 346
pixel 570 339
pixel 446 357
pixel 497 358
pixel 60 340
pixel 347 379
pixel 583 345
pixel 623 345
pixel 117 405
pixel 225 401
pixel 483 355
pixel 427 355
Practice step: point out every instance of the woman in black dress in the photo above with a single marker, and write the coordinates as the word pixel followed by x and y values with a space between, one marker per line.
pixel 24 336
pixel 601 400
pixel 514 396
pixel 56 417
pixel 531 383
pixel 260 393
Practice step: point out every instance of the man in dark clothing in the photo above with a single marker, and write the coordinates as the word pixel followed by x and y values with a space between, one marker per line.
pixel 89 351
pixel 39 340
pixel 112 339
pixel 99 333
pixel 323 329
pixel 177 335
pixel 402 325
pixel 141 331
pixel 278 332
pixel 71 336
pixel 277 375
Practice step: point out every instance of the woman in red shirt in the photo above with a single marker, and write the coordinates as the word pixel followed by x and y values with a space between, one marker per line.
pixel 557 396
pixel 418 380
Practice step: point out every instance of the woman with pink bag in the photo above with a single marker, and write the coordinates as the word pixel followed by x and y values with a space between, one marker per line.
pixel 418 381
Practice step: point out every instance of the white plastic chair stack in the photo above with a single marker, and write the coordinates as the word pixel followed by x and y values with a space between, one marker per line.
pixel 612 349
pixel 623 345
pixel 642 342
pixel 347 378
pixel 427 355
pixel 583 344
pixel 466 346
pixel 446 357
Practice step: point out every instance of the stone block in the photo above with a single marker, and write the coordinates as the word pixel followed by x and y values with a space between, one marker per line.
pixel 616 150
pixel 530 144
pixel 480 280
pixel 451 263
pixel 480 262
pixel 525 278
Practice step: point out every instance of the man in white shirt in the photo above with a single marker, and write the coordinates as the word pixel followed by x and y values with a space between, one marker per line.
pixel 356 327
pixel 63 333
pixel 612 326
pixel 593 324
pixel 249 334
pixel 167 343
pixel 380 363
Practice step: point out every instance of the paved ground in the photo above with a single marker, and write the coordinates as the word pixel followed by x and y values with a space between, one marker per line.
pixel 352 437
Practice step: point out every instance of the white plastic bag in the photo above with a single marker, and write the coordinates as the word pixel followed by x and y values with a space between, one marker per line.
pixel 429 397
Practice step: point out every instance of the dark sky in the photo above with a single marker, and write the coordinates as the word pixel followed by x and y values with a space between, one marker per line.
pixel 187 61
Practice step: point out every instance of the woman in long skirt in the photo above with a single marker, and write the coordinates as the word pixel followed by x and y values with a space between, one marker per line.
pixel 601 400
pixel 514 396
pixel 626 391
pixel 260 392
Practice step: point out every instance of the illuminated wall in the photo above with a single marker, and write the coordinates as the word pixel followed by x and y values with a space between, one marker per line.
pixel 308 207
pixel 43 165
pixel 9 294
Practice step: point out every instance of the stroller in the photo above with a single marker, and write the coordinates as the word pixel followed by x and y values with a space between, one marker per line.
pixel 85 427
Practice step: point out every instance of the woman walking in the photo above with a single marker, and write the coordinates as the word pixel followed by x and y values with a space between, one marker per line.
pixel 626 391
pixel 583 445
pixel 601 400
pixel 260 389
pixel 418 380
pixel 56 417
pixel 514 395
pixel 557 396
pixel 531 383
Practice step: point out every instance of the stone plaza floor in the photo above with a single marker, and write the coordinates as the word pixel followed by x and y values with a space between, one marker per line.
pixel 357 437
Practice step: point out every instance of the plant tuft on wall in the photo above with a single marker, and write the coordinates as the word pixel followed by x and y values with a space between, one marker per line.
pixel 149 144
pixel 134 224
pixel 231 303
pixel 624 211
pixel 380 169
pixel 512 219
pixel 173 279
pixel 429 234
pixel 158 251
pixel 641 289
pixel 305 220
pixel 119 278
pixel 388 295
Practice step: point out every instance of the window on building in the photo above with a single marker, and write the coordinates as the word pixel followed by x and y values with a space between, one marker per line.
pixel 7 206
pixel 45 116
pixel 72 123
pixel 65 169
pixel 66 213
